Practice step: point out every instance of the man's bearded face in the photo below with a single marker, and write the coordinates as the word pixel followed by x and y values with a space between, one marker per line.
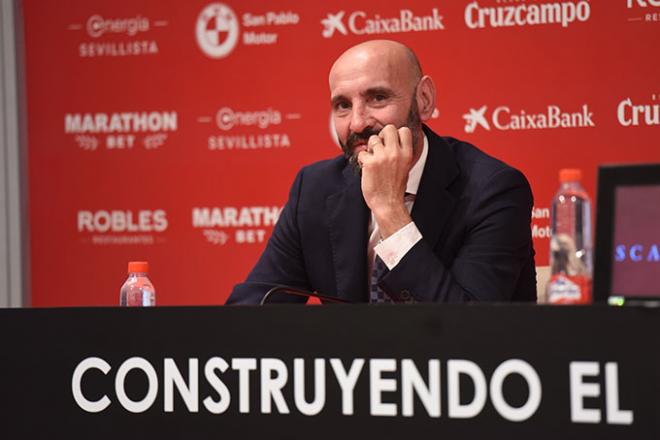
pixel 413 121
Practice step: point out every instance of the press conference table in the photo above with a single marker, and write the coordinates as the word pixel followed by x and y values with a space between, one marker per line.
pixel 358 371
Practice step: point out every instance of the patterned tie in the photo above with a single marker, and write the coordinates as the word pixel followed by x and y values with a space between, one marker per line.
pixel 376 294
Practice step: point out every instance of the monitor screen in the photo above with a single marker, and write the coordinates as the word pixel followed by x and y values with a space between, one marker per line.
pixel 636 265
pixel 627 251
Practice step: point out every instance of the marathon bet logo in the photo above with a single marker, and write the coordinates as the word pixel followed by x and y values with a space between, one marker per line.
pixel 631 114
pixel 520 13
pixel 125 36
pixel 503 118
pixel 120 130
pixel 122 227
pixel 359 23
pixel 245 224
pixel 253 126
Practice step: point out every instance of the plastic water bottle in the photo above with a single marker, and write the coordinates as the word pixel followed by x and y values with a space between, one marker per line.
pixel 137 291
pixel 570 245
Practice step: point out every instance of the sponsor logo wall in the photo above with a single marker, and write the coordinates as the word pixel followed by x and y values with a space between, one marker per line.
pixel 171 132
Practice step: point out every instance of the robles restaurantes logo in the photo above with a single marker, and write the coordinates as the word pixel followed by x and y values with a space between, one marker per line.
pixel 129 30
pixel 256 129
pixel 244 224
pixel 644 10
pixel 120 130
pixel 631 114
pixel 122 227
pixel 218 29
pixel 520 13
pixel 503 118
pixel 361 23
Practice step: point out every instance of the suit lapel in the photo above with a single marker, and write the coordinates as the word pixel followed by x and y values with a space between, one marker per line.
pixel 348 218
pixel 434 203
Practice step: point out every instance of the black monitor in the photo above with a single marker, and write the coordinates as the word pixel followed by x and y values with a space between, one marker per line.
pixel 627 258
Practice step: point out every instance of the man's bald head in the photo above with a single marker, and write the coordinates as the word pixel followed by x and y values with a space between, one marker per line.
pixel 389 56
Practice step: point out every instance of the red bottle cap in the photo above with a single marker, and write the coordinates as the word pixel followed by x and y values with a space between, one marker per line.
pixel 570 175
pixel 138 267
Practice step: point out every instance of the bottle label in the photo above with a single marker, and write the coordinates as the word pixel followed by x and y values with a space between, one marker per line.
pixel 565 289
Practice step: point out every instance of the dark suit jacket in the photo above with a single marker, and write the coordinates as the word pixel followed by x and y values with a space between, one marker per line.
pixel 472 210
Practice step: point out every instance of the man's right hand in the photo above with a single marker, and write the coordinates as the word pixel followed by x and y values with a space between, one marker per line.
pixel 385 167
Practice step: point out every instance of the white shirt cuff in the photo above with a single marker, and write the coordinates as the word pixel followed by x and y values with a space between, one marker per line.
pixel 396 246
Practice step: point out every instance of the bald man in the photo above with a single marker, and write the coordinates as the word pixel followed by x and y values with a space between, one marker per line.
pixel 404 215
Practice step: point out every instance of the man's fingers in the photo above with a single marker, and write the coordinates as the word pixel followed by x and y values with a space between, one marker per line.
pixel 405 139
pixel 374 143
pixel 364 158
pixel 390 136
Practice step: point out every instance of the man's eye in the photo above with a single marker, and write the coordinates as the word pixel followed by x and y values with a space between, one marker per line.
pixel 379 99
pixel 342 106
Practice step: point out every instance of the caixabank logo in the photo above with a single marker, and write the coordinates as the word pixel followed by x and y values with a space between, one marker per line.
pixel 120 131
pixel 122 226
pixel 481 14
pixel 235 224
pixel 218 28
pixel 361 22
pixel 118 36
pixel 505 118
pixel 240 129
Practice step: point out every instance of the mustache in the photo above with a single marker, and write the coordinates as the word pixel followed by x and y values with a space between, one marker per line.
pixel 363 136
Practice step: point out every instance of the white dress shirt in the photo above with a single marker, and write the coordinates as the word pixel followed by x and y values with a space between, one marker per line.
pixel 396 246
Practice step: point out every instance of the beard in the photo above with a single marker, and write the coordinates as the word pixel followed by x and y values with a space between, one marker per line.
pixel 413 122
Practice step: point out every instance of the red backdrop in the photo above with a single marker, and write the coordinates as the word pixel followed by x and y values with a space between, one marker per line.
pixel 170 131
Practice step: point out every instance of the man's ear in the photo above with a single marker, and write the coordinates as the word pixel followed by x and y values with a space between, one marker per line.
pixel 425 98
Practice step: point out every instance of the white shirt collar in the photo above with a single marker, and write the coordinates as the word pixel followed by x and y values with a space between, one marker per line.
pixel 415 174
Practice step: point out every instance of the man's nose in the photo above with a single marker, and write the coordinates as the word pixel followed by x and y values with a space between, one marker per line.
pixel 360 119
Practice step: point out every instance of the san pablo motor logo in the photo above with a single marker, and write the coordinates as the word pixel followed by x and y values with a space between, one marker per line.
pixel 124 131
pixel 218 29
